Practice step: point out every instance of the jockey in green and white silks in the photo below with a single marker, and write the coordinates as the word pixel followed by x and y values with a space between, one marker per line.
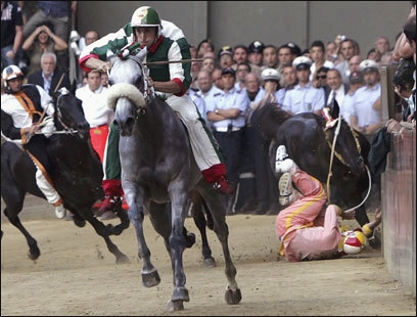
pixel 164 42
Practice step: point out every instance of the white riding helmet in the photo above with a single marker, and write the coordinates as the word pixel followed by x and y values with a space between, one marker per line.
pixel 11 72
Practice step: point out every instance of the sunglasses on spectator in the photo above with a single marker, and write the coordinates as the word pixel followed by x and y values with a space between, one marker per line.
pixel 321 77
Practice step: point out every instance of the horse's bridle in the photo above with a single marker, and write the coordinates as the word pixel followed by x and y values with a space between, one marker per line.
pixel 148 91
pixel 330 125
pixel 66 130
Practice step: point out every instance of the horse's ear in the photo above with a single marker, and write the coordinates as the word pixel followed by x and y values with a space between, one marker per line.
pixel 330 113
pixel 55 96
pixel 141 54
pixel 73 87
pixel 335 109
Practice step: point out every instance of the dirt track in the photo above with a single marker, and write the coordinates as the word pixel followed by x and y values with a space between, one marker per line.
pixel 76 275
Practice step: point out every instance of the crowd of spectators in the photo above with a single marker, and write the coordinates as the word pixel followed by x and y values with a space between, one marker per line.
pixel 304 81
pixel 230 82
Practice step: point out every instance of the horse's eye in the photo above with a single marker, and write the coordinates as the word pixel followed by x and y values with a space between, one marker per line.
pixel 138 83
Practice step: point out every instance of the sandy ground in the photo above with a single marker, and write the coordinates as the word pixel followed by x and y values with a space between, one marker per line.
pixel 76 275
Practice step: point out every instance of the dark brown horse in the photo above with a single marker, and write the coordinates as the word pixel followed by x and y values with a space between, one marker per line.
pixel 309 139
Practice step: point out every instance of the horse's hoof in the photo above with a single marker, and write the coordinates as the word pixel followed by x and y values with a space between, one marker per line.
pixel 180 294
pixel 209 262
pixel 122 259
pixel 374 243
pixel 78 221
pixel 150 279
pixel 233 297
pixel 34 254
pixel 109 229
pixel 175 306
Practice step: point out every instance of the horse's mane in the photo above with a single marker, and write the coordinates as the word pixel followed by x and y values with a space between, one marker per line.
pixel 269 118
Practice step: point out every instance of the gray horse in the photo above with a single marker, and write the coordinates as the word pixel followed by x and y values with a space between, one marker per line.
pixel 158 172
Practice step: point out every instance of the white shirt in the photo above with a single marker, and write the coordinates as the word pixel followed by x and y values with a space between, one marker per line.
pixel 47 82
pixel 340 95
pixel 95 107
pixel 199 102
pixel 362 106
pixel 232 99
pixel 346 107
pixel 21 119
pixel 303 99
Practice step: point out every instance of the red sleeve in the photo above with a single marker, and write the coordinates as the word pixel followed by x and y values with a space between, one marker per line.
pixel 82 61
pixel 181 84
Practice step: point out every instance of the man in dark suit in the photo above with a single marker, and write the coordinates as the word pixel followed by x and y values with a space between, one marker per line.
pixel 49 77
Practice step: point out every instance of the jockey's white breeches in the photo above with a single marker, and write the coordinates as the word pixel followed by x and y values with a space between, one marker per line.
pixel 203 150
pixel 45 186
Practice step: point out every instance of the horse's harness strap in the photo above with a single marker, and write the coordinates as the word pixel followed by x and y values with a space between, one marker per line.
pixel 46 120
pixel 331 124
pixel 148 92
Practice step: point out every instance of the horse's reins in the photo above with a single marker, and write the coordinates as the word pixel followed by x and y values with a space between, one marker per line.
pixel 333 153
pixel 330 174
pixel 172 62
pixel 367 194
pixel 56 88
pixel 148 91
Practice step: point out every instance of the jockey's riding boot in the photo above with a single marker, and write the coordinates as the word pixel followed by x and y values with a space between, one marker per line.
pixel 60 211
pixel 283 163
pixel 108 204
pixel 281 153
pixel 216 175
pixel 113 191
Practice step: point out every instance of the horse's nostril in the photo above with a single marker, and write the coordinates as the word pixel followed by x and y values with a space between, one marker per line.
pixel 116 124
pixel 130 122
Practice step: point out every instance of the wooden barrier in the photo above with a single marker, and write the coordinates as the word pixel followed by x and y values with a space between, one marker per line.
pixel 398 192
